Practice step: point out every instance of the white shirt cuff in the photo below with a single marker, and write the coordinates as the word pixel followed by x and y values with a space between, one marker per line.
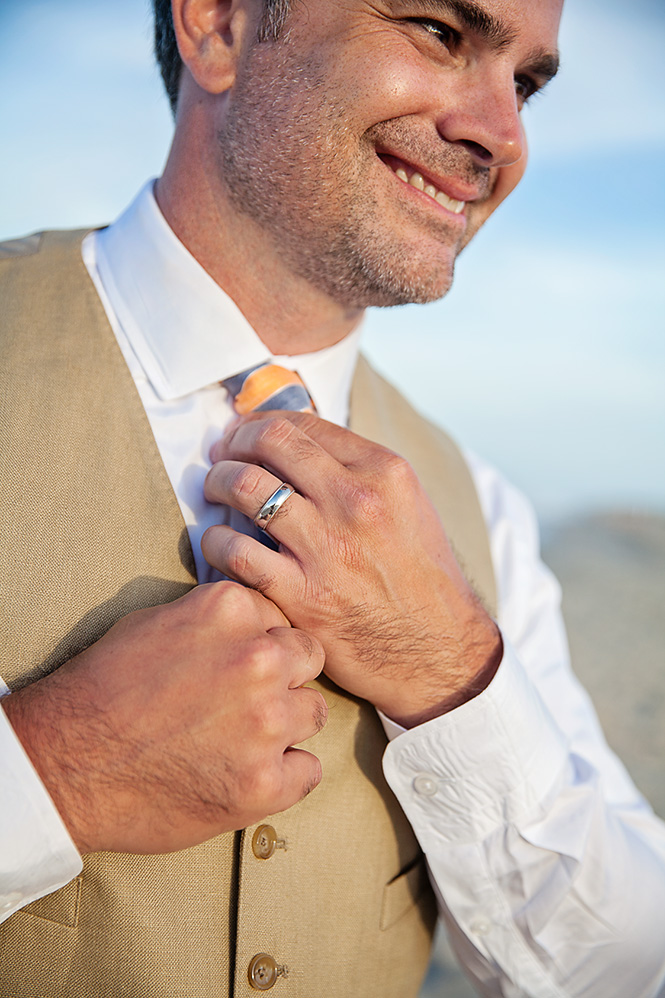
pixel 488 762
pixel 37 854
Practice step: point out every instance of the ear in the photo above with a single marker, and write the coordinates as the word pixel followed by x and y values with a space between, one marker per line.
pixel 210 35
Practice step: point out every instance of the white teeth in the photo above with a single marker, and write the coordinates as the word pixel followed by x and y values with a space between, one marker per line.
pixel 449 203
pixel 416 180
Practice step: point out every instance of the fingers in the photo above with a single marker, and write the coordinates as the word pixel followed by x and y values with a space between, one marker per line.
pixel 303 652
pixel 288 718
pixel 301 774
pixel 330 468
pixel 309 715
pixel 246 487
pixel 345 446
pixel 216 600
pixel 299 448
pixel 248 561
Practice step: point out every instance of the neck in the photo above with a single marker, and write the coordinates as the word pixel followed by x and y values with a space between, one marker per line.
pixel 289 315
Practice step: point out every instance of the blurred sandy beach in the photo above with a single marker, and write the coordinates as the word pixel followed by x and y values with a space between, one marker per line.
pixel 612 570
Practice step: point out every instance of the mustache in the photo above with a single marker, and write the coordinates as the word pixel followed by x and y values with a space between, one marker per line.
pixel 425 149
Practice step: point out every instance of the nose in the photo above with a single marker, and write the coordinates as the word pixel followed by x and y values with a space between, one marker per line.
pixel 483 117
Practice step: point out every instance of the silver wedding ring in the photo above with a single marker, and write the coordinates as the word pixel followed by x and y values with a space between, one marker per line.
pixel 272 504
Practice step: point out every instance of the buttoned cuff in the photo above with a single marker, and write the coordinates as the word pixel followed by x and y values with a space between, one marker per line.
pixel 485 764
pixel 37 854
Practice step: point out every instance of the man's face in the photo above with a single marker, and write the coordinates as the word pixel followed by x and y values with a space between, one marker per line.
pixel 373 139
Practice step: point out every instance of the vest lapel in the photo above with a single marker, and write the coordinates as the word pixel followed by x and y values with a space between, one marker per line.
pixel 89 497
pixel 380 413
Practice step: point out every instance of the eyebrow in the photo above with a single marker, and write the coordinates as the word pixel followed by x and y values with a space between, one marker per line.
pixel 543 64
pixel 475 18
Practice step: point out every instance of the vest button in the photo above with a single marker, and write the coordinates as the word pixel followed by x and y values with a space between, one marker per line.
pixel 262 972
pixel 265 841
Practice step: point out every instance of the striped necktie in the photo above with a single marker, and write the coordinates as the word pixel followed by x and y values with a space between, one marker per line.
pixel 268 386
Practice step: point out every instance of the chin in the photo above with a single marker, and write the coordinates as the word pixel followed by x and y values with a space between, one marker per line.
pixel 381 280
pixel 403 288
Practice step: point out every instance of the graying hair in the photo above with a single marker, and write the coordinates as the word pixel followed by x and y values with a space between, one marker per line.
pixel 166 48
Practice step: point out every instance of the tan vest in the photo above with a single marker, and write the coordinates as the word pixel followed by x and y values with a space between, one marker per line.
pixel 91 531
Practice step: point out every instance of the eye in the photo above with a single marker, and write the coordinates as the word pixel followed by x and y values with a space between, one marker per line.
pixel 525 88
pixel 442 32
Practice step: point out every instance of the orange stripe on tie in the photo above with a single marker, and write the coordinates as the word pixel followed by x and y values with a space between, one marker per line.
pixel 261 384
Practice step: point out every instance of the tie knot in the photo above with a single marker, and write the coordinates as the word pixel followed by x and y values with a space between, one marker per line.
pixel 268 386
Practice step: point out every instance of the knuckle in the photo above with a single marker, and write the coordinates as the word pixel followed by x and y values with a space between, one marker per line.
pixel 398 468
pixel 203 599
pixel 261 783
pixel 307 421
pixel 231 595
pixel 274 432
pixel 248 481
pixel 372 497
pixel 239 555
pixel 196 595
pixel 261 659
pixel 228 603
pixel 273 719
pixel 278 432
pixel 366 502
pixel 304 447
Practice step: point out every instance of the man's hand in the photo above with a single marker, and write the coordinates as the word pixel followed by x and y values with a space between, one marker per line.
pixel 178 724
pixel 363 563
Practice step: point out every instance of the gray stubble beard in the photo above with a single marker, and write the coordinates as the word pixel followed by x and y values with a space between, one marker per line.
pixel 330 236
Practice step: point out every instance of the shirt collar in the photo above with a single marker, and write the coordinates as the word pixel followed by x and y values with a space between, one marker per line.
pixel 185 330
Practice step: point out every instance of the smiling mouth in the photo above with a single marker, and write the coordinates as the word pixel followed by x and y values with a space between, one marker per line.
pixel 408 175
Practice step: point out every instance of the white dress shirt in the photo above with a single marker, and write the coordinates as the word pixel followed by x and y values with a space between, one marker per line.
pixel 548 865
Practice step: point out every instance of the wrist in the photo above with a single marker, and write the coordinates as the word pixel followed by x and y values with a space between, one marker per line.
pixel 460 681
pixel 42 736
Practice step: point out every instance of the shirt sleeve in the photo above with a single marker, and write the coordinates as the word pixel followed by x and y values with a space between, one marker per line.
pixel 548 865
pixel 37 854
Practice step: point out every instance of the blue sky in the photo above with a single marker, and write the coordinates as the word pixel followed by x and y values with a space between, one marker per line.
pixel 548 356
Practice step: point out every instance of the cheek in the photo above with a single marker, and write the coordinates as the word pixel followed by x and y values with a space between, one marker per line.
pixel 391 83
